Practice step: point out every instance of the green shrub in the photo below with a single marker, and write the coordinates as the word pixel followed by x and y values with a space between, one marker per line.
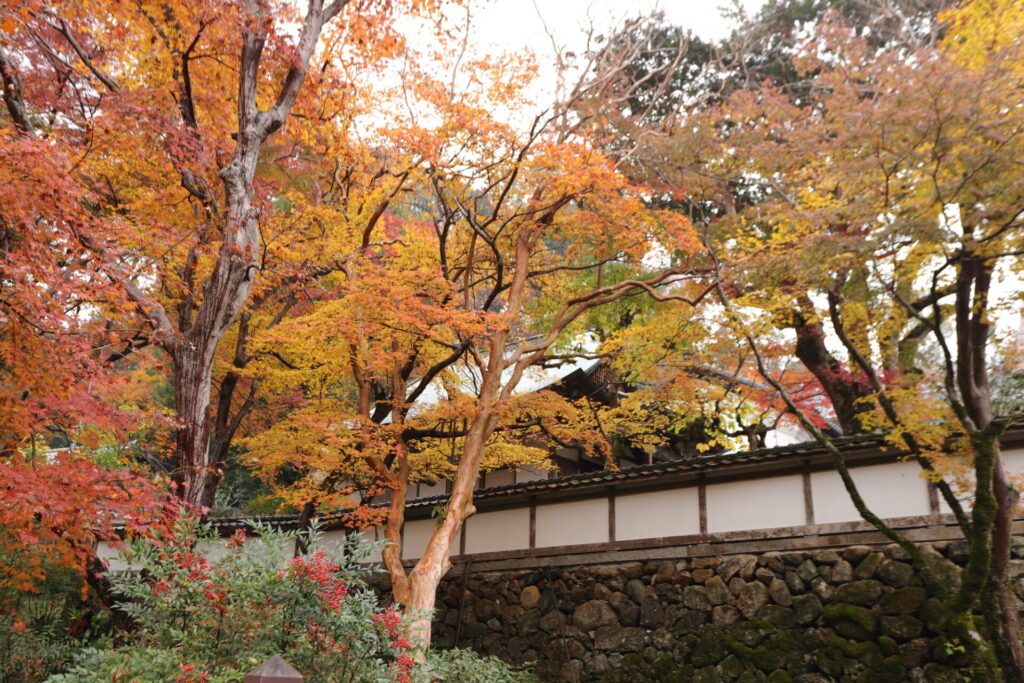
pixel 30 652
pixel 465 666
pixel 199 620
pixel 41 631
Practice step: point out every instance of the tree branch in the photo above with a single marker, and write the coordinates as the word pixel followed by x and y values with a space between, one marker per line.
pixel 103 77
pixel 14 98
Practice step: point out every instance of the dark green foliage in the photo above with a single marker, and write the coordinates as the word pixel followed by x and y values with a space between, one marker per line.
pixel 41 631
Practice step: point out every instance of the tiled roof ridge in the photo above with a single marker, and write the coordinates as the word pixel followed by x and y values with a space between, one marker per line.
pixel 667 466
pixel 589 478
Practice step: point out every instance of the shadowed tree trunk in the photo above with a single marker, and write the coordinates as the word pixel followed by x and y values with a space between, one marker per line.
pixel 843 391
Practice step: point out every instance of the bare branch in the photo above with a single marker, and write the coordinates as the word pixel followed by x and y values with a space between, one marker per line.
pixel 103 77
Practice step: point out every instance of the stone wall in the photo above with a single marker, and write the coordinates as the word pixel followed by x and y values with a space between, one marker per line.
pixel 855 614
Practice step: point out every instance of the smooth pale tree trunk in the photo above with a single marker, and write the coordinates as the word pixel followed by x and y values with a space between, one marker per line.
pixel 495 389
pixel 425 578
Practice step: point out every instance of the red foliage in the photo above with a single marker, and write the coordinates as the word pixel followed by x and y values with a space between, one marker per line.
pixel 322 572
pixel 54 513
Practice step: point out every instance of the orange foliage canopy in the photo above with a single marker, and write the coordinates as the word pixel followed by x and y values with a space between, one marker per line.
pixel 142 148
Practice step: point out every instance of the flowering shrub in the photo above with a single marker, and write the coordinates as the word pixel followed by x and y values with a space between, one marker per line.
pixel 202 620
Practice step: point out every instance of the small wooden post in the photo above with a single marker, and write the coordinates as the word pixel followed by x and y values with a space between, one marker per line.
pixel 274 670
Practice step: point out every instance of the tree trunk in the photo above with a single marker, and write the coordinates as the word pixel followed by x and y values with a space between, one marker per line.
pixel 844 393
pixel 220 443
pixel 1009 648
pixel 228 286
pixel 192 379
pixel 391 556
pixel 432 566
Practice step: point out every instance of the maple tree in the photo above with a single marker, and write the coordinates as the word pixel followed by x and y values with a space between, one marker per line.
pixel 54 513
pixel 456 246
pixel 363 296
pixel 861 228
pixel 650 72
pixel 159 141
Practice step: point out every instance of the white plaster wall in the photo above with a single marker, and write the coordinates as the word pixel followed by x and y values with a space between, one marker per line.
pixel 333 542
pixel 112 557
pixel 527 473
pixel 374 535
pixel 756 504
pixel 214 550
pixel 572 523
pixel 491 532
pixel 654 514
pixel 568 453
pixel 415 535
pixel 1013 463
pixel 890 490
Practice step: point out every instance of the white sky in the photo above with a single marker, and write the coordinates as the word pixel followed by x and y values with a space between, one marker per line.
pixel 524 25
pixel 517 23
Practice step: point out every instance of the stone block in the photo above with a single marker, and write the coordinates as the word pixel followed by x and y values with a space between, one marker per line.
pixel 594 614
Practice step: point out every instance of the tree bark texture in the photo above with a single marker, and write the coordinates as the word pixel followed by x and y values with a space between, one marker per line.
pixel 227 289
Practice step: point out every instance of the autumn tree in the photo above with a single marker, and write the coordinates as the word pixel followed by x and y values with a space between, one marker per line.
pixel 654 79
pixel 459 242
pixel 56 511
pixel 158 122
pixel 876 217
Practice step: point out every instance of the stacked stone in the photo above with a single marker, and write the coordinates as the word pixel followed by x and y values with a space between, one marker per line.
pixel 855 614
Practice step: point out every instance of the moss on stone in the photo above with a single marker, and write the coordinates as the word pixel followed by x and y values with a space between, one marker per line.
pixel 846 660
pixel 633 661
pixel 937 673
pixel 778 616
pixel 866 568
pixel 683 674
pixel 779 676
pixel 706 675
pixel 904 600
pixel 851 621
pixel 902 627
pixel 888 645
pixel 865 592
pixel 711 649
pixel 867 653
pixel 663 667
pixel 782 650
pixel 731 668
pixel 806 609
pixel 741 650
pixel 752 633
pixel 933 614
pixel 892 668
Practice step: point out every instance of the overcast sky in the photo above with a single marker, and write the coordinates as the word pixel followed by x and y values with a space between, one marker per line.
pixel 524 25
pixel 517 23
